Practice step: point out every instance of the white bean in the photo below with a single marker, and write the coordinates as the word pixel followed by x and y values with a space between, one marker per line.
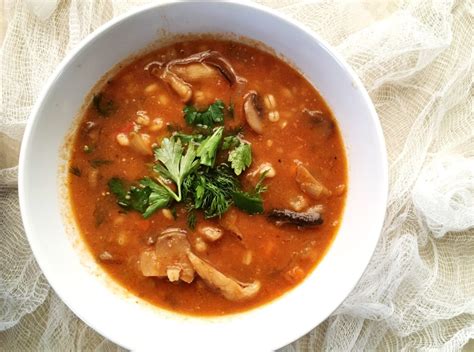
pixel 268 168
pixel 273 116
pixel 298 203
pixel 142 118
pixel 122 238
pixel 122 139
pixel 269 101
pixel 163 99
pixel 200 245
pixel 247 258
pixel 151 88
pixel 167 214
pixel 157 124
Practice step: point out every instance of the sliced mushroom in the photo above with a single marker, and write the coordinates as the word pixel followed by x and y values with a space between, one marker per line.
pixel 229 222
pixel 154 65
pixel 193 68
pixel 195 72
pixel 181 88
pixel 211 58
pixel 301 219
pixel 308 183
pixel 253 111
pixel 322 122
pixel 230 288
pixel 215 59
pixel 168 258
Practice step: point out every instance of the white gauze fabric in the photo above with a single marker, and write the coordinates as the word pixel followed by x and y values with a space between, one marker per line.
pixel 416 60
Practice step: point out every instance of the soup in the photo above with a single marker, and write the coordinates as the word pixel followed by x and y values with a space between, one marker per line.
pixel 207 177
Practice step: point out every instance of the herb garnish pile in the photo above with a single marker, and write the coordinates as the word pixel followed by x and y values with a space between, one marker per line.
pixel 186 171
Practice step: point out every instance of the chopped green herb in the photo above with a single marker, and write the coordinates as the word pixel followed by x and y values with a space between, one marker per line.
pixel 230 110
pixel 138 198
pixel 240 158
pixel 188 161
pixel 159 197
pixel 260 187
pixel 210 117
pixel 208 149
pixel 146 198
pixel 75 171
pixel 211 190
pixel 186 138
pixel 174 212
pixel 173 127
pixel 230 142
pixel 117 188
pixel 95 163
pixel 235 131
pixel 192 219
pixel 251 202
pixel 103 107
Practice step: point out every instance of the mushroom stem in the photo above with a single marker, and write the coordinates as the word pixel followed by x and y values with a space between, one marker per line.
pixel 230 288
pixel 253 111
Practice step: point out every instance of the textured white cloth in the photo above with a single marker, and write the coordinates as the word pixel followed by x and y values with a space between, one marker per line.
pixel 416 60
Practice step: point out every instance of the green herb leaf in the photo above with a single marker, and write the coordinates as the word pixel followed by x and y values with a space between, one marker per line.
pixel 230 142
pixel 260 187
pixel 231 109
pixel 103 107
pixel 146 198
pixel 187 138
pixel 138 198
pixel 176 166
pixel 250 203
pixel 240 158
pixel 211 190
pixel 213 115
pixel 117 188
pixel 208 149
pixel 191 220
pixel 158 198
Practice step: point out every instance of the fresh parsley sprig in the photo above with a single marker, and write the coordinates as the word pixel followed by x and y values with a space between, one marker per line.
pixel 240 157
pixel 207 150
pixel 173 165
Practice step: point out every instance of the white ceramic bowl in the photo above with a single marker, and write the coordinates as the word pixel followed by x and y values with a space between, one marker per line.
pixel 126 319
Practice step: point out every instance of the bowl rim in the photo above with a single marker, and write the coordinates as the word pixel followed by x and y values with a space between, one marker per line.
pixel 35 112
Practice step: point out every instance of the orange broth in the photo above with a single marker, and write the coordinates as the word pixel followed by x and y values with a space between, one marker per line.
pixel 281 256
